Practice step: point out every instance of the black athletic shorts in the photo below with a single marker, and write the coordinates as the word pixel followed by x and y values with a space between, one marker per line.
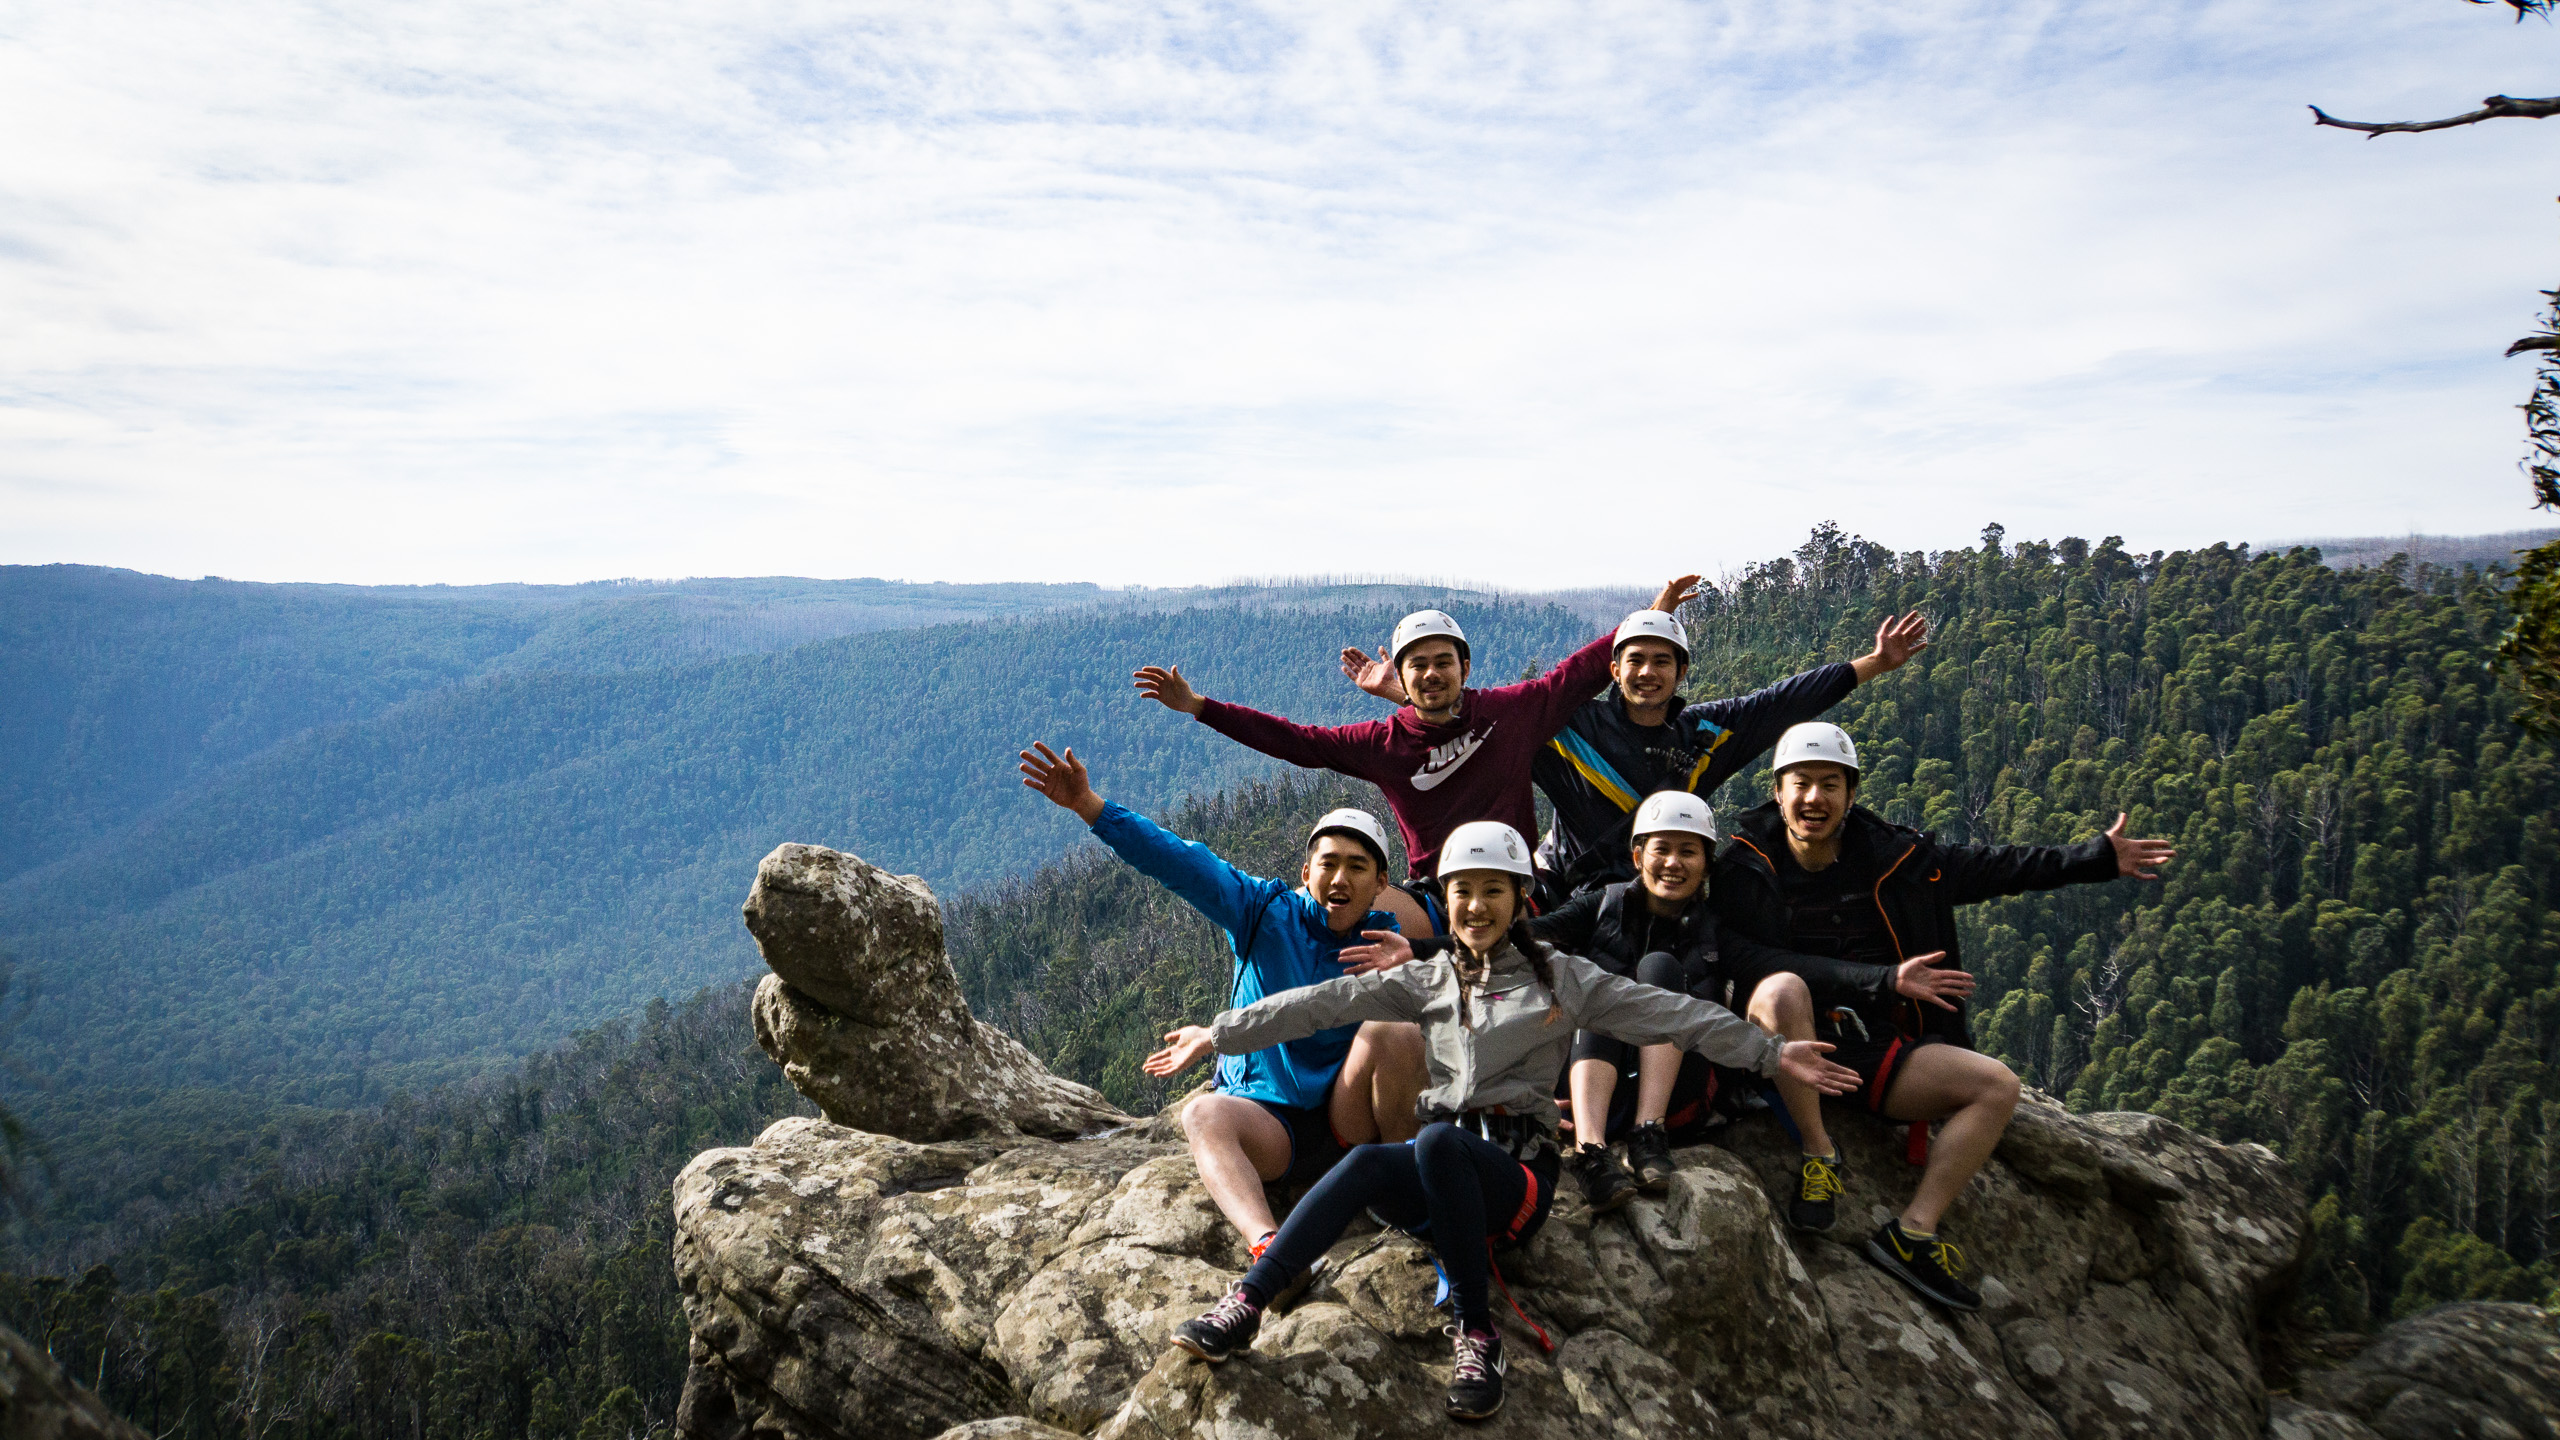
pixel 1313 1147
pixel 1877 1062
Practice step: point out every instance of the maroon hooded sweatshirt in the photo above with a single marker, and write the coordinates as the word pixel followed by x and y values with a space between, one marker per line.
pixel 1438 777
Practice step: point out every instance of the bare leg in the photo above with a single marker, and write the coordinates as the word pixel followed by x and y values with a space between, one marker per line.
pixel 1975 1095
pixel 1782 1005
pixel 1381 1082
pixel 1595 1084
pixel 1410 917
pixel 1237 1145
pixel 1657 1070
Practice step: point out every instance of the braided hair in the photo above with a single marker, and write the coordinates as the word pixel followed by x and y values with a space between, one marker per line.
pixel 1471 970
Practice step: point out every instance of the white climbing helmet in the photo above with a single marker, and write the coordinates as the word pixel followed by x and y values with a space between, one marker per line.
pixel 1486 845
pixel 1814 740
pixel 1422 625
pixel 1359 824
pixel 1652 625
pixel 1675 810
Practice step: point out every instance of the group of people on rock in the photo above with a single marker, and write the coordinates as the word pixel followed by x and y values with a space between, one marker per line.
pixel 1437 1049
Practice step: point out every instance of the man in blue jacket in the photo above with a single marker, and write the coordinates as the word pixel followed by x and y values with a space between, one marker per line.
pixel 1290 1111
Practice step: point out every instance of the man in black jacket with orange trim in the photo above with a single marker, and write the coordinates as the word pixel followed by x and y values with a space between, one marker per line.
pixel 1869 908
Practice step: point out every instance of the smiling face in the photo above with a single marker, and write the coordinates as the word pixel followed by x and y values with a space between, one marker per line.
pixel 1433 673
pixel 1648 672
pixel 1345 879
pixel 1813 799
pixel 1672 864
pixel 1481 904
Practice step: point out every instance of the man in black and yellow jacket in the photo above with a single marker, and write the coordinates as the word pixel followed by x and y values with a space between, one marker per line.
pixel 1639 738
pixel 1868 908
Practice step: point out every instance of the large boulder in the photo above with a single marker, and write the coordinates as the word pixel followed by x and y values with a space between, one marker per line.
pixel 2476 1369
pixel 863 1011
pixel 969 1247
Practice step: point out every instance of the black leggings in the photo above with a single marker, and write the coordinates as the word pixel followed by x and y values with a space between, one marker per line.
pixel 1463 1187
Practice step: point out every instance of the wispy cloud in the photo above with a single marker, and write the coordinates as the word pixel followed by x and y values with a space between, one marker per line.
pixel 1170 293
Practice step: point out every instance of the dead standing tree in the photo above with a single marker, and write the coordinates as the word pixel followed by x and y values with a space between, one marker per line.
pixel 2531 647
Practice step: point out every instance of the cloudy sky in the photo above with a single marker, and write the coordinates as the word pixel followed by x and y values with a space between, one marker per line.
pixel 1168 293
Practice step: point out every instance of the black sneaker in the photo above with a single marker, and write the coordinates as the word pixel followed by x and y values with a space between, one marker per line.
pixel 1815 1193
pixel 1229 1326
pixel 1649 1155
pixel 1928 1266
pixel 1604 1181
pixel 1475 1386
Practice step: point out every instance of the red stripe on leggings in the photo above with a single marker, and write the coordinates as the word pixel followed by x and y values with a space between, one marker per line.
pixel 1884 1076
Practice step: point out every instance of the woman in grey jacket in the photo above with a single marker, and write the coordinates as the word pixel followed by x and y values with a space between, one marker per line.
pixel 1498 1015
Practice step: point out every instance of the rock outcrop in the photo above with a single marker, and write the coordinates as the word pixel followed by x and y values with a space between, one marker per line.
pixel 863 1011
pixel 944 1256
pixel 2474 1369
pixel 39 1402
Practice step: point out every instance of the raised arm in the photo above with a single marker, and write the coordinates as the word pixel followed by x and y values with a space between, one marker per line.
pixel 1227 895
pixel 1735 731
pixel 1897 640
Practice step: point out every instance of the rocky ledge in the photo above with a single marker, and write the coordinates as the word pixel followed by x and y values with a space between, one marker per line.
pixel 969 1246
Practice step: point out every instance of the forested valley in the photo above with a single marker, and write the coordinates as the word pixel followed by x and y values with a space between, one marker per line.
pixel 2355 960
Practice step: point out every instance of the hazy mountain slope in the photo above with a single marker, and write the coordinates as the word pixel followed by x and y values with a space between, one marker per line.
pixel 477 871
pixel 119 690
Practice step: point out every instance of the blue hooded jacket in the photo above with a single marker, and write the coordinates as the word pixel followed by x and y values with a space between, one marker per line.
pixel 1280 940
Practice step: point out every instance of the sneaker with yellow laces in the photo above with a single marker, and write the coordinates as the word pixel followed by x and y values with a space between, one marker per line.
pixel 1817 1189
pixel 1926 1263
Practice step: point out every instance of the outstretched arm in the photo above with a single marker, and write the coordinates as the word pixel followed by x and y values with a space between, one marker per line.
pixel 1063 779
pixel 1164 685
pixel 1373 676
pixel 1897 640
pixel 1983 872
pixel 1395 994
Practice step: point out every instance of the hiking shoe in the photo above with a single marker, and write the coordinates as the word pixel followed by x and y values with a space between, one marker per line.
pixel 1475 1386
pixel 1649 1155
pixel 1604 1180
pixel 1816 1191
pixel 1229 1326
pixel 1928 1266
pixel 1286 1299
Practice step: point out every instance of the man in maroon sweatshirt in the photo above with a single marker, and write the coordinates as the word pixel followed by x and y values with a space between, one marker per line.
pixel 1450 755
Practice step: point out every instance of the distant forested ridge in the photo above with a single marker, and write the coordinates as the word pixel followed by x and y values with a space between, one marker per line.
pixel 490 1260
pixel 464 877
pixel 2355 958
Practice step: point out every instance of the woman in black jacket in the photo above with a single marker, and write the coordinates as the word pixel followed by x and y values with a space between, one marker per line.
pixel 1657 929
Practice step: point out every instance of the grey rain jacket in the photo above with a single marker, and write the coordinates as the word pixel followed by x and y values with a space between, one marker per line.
pixel 1507 1056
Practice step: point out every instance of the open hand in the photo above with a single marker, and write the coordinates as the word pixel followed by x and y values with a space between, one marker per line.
pixel 1807 1062
pixel 1898 641
pixel 1063 779
pixel 1385 951
pixel 1676 592
pixel 1183 1049
pixel 1376 677
pixel 1920 978
pixel 1164 685
pixel 2140 859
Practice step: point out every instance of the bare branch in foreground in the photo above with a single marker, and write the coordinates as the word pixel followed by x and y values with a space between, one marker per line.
pixel 2496 107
